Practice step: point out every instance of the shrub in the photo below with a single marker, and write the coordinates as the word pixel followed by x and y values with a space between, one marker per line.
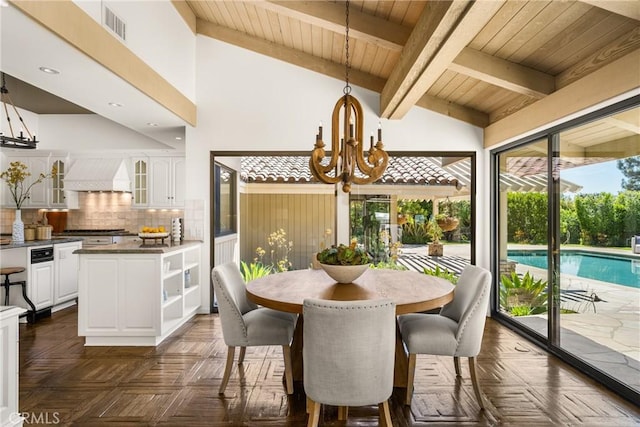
pixel 254 270
pixel 444 273
pixel 415 233
pixel 389 265
pixel 516 291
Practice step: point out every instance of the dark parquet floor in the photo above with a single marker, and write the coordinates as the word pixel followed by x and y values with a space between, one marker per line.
pixel 65 383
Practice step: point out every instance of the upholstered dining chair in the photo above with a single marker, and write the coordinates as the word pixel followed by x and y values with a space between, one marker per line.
pixel 245 324
pixel 348 355
pixel 456 331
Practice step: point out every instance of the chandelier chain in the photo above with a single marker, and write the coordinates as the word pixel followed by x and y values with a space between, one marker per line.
pixel 347 65
pixel 349 163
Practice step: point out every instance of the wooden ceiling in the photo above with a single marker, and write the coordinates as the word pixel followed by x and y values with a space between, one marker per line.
pixel 476 61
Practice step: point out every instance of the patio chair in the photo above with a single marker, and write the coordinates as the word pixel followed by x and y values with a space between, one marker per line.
pixel 348 355
pixel 456 331
pixel 244 324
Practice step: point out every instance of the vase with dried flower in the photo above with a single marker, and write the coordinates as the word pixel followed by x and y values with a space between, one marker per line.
pixel 325 243
pixel 15 177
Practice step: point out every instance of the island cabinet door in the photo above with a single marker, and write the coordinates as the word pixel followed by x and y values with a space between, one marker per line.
pixel 118 296
pixel 98 295
pixel 139 295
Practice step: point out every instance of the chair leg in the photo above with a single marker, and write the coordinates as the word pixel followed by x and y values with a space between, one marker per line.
pixel 314 414
pixel 456 364
pixel 385 414
pixel 411 371
pixel 474 381
pixel 288 368
pixel 343 413
pixel 243 350
pixel 231 350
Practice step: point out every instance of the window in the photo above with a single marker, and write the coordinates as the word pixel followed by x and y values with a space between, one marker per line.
pixel 224 180
pixel 567 206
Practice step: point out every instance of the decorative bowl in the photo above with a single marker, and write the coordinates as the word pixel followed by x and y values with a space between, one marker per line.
pixel 344 273
pixel 153 235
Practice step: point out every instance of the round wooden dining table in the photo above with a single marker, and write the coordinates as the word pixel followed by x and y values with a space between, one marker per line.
pixel 411 291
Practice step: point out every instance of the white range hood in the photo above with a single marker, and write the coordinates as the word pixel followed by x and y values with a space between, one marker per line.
pixel 98 175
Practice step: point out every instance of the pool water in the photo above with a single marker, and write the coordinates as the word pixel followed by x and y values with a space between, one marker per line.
pixel 603 267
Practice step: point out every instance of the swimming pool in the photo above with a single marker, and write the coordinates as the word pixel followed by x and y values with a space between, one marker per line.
pixel 603 267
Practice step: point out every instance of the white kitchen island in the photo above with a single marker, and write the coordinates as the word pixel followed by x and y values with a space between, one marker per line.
pixel 136 295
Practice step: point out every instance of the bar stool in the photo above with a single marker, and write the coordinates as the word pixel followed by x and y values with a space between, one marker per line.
pixel 7 283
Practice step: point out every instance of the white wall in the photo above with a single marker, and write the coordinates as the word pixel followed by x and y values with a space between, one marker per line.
pixel 157 34
pixel 249 102
pixel 90 132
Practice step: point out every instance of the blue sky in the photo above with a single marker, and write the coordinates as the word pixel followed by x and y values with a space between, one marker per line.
pixel 596 178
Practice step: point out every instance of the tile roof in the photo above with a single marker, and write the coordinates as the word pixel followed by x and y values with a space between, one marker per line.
pixel 401 171
pixel 295 169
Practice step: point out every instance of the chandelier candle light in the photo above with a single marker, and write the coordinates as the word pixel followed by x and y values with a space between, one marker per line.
pixel 347 163
pixel 12 141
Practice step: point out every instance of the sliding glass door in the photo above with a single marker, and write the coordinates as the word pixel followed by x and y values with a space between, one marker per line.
pixel 599 272
pixel 567 216
pixel 523 234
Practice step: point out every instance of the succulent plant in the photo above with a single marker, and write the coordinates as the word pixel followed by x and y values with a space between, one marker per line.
pixel 344 255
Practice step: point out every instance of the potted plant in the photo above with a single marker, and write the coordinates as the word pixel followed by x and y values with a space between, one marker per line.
pixel 447 223
pixel 344 263
pixel 446 220
pixel 435 233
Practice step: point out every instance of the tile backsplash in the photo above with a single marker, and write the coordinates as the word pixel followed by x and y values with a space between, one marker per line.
pixel 99 211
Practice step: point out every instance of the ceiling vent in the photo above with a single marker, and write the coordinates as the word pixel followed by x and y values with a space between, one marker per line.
pixel 115 24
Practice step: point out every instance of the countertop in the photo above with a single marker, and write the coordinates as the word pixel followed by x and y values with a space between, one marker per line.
pixel 94 233
pixel 138 248
pixel 29 243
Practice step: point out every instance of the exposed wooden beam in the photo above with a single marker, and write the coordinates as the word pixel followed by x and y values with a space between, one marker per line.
pixel 331 16
pixel 622 124
pixel 617 149
pixel 72 24
pixel 503 73
pixel 292 56
pixel 628 8
pixel 331 69
pixel 187 14
pixel 457 111
pixel 614 79
pixel 443 30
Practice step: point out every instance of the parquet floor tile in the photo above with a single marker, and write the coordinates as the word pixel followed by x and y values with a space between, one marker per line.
pixel 176 384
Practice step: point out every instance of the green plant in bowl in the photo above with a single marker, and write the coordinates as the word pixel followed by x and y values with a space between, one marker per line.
pixel 343 263
pixel 344 255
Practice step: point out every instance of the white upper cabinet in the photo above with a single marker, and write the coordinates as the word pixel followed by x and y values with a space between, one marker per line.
pixel 140 184
pixel 59 197
pixel 167 182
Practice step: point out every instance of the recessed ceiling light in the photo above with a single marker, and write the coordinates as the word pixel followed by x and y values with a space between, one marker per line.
pixel 179 138
pixel 115 104
pixel 49 70
pixel 152 124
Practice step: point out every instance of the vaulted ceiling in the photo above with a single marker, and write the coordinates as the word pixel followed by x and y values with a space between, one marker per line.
pixel 477 61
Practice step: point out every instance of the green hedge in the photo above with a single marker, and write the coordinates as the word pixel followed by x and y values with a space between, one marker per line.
pixel 600 219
